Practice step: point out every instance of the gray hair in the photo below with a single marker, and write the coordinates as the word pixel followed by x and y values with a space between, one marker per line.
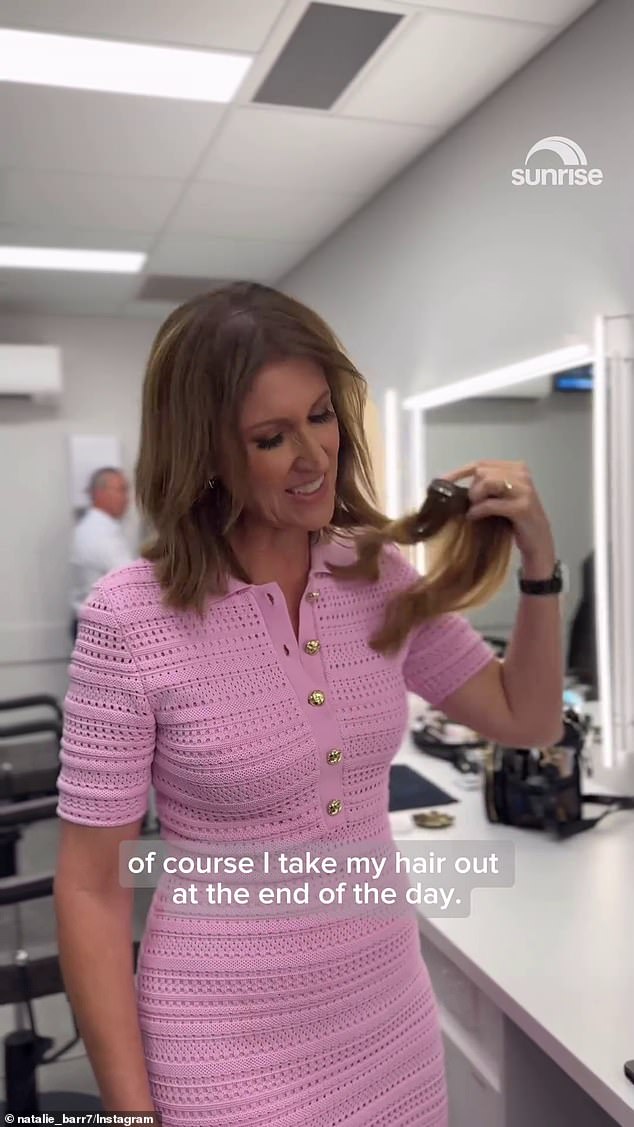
pixel 98 478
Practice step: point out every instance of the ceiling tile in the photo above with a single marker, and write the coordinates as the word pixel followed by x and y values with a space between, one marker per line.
pixel 555 12
pixel 242 211
pixel 174 287
pixel 409 82
pixel 227 258
pixel 291 150
pixel 399 7
pixel 62 291
pixel 240 25
pixel 84 131
pixel 91 170
pixel 149 310
pixel 122 203
pixel 160 293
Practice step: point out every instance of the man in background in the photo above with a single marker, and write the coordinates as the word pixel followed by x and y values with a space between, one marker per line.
pixel 99 545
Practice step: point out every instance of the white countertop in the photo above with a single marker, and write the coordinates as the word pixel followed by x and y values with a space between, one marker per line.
pixel 555 952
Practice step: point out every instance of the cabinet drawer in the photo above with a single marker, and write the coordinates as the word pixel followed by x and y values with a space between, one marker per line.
pixel 454 990
pixel 472 1101
pixel 467 1014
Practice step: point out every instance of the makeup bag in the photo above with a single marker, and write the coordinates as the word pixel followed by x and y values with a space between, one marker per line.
pixel 540 788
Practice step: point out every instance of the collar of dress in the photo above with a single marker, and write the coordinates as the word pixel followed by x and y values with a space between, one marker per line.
pixel 336 550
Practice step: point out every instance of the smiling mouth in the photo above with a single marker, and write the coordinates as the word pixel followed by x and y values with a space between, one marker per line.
pixel 309 488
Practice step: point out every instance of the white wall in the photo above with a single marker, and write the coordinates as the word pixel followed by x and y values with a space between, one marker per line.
pixel 452 270
pixel 103 362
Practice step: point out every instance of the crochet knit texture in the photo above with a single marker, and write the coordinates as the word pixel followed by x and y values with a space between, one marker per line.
pixel 285 1021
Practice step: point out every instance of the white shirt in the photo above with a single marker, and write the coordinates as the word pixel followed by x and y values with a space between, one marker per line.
pixel 98 547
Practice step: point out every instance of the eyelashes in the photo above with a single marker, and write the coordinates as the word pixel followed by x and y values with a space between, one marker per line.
pixel 269 443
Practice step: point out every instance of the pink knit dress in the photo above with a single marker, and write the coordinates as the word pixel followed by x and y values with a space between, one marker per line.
pixel 279 1022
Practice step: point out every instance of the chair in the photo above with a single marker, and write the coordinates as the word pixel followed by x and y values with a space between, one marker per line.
pixel 28 793
pixel 29 766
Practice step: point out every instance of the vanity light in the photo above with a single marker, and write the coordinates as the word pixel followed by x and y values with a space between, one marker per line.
pixel 558 361
pixel 600 480
pixel 391 421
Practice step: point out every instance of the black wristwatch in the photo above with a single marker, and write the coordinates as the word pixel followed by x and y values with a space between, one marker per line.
pixel 552 586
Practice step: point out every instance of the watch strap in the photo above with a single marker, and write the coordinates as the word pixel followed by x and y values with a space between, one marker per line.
pixel 554 585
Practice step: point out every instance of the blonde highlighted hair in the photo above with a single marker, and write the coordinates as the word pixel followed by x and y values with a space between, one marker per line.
pixel 202 364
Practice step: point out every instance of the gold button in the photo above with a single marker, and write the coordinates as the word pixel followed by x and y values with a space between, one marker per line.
pixel 312 596
pixel 312 647
pixel 335 806
pixel 334 756
pixel 316 697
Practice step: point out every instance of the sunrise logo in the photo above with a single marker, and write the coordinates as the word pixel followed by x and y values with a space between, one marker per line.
pixel 573 172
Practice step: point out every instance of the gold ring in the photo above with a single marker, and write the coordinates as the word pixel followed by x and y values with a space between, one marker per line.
pixel 508 485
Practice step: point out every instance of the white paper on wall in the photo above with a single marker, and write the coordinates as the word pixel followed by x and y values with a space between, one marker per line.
pixel 87 453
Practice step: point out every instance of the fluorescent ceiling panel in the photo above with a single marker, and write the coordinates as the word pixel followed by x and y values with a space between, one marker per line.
pixel 220 25
pixel 326 51
pixel 53 258
pixel 120 68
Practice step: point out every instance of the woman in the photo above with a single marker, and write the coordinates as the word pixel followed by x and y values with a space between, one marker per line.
pixel 230 668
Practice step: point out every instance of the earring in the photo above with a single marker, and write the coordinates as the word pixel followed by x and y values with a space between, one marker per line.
pixel 212 482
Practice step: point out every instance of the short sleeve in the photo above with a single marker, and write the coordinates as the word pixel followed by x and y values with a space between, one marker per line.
pixel 109 730
pixel 442 654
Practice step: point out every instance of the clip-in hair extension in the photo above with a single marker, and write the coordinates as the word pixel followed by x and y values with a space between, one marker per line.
pixel 444 501
pixel 470 564
pixel 445 490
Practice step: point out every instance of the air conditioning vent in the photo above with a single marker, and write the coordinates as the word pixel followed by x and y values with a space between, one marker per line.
pixel 30 372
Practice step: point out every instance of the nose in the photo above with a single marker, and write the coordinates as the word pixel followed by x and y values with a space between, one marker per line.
pixel 310 453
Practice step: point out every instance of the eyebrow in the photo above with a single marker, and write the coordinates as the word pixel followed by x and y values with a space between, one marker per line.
pixel 270 422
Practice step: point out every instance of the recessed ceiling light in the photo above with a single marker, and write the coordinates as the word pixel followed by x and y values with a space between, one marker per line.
pixel 54 258
pixel 120 68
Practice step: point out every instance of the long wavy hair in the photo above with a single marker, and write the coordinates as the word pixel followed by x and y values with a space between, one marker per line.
pixel 201 366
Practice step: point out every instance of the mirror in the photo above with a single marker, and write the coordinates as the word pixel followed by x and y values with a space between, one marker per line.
pixel 550 428
pixel 547 412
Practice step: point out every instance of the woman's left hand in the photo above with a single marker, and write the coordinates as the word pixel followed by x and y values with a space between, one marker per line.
pixel 506 489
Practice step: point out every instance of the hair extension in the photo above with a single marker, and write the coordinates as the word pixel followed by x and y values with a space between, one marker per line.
pixel 471 561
